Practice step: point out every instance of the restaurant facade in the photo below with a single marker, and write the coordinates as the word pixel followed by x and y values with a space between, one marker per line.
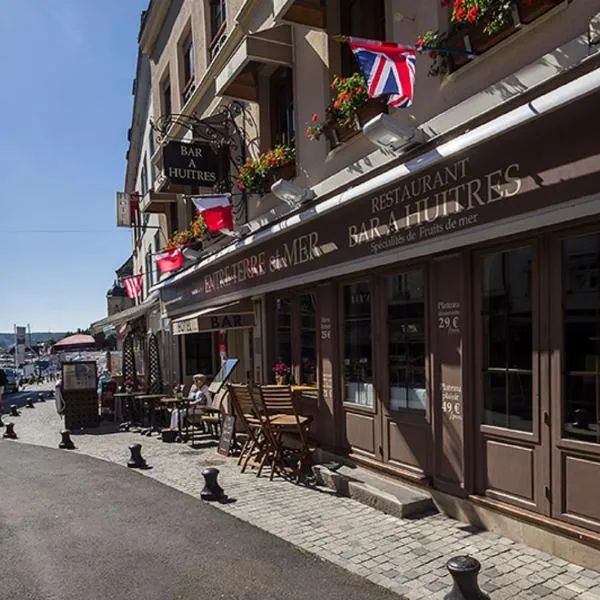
pixel 446 309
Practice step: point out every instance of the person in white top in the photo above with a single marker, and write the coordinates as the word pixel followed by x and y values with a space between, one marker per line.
pixel 199 395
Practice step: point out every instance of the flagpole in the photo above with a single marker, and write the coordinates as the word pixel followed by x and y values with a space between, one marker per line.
pixel 345 39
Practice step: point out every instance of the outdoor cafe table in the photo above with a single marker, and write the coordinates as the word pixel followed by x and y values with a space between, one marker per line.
pixel 306 397
pixel 128 397
pixel 172 402
pixel 150 401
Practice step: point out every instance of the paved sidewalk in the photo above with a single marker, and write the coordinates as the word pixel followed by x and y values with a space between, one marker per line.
pixel 406 556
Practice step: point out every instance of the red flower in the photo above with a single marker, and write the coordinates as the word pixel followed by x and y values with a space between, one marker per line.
pixel 314 118
pixel 241 186
pixel 460 13
pixel 457 4
pixel 473 14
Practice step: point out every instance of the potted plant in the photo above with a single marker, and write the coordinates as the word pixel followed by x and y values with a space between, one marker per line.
pixel 281 372
pixel 350 108
pixel 439 61
pixel 257 175
pixel 185 238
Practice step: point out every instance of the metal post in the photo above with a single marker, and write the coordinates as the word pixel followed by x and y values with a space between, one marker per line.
pixel 13 411
pixel 464 571
pixel 136 461
pixel 212 490
pixel 10 432
pixel 66 443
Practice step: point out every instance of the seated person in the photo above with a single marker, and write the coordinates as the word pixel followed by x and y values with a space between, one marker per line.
pixel 199 395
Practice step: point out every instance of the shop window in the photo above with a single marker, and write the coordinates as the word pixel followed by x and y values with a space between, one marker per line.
pixel 360 19
pixel 406 341
pixel 507 339
pixel 308 338
pixel 581 350
pixel 282 107
pixel 283 330
pixel 199 354
pixel 358 349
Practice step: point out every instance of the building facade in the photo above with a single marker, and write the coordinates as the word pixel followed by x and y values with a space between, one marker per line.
pixel 439 284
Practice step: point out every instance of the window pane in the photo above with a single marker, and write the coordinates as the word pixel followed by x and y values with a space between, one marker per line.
pixel 507 323
pixel 519 402
pixel 308 338
pixel 495 400
pixel 406 341
pixel 358 362
pixel 198 354
pixel 283 331
pixel 581 281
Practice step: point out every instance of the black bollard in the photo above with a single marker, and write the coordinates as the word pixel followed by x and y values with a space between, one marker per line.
pixel 212 490
pixel 464 571
pixel 10 432
pixel 66 443
pixel 29 403
pixel 1 422
pixel 41 397
pixel 136 461
pixel 13 411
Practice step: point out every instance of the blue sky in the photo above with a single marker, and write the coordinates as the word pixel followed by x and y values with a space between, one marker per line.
pixel 66 76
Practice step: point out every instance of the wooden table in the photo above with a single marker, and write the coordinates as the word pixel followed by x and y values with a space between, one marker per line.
pixel 128 396
pixel 150 399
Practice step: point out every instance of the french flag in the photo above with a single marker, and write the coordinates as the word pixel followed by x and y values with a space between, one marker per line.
pixel 169 260
pixel 216 211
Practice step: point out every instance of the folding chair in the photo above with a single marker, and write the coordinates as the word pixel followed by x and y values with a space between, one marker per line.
pixel 243 407
pixel 286 430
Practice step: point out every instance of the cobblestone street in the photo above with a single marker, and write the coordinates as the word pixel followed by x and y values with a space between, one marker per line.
pixel 406 556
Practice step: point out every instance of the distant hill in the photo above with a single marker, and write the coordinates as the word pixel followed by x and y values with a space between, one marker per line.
pixel 8 339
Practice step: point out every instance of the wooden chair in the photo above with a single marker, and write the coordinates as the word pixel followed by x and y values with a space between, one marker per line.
pixel 243 406
pixel 207 416
pixel 286 430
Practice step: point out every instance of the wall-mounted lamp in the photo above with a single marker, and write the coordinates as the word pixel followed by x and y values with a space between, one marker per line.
pixel 290 193
pixel 388 134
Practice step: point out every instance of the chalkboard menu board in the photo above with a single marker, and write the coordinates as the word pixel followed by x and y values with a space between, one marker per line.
pixel 78 376
pixel 227 435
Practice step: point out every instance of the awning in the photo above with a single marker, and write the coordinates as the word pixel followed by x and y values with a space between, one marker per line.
pixel 237 79
pixel 302 12
pixel 236 315
pixel 129 314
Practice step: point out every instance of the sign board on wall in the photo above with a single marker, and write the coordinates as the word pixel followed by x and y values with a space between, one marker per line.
pixel 123 209
pixel 526 169
pixel 213 323
pixel 191 164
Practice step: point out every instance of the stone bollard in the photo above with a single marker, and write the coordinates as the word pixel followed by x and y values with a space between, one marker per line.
pixel 29 403
pixel 10 432
pixel 136 461
pixel 41 397
pixel 212 490
pixel 66 443
pixel 464 571
pixel 13 411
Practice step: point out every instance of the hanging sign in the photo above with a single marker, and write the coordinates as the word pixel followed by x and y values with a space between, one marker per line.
pixel 191 164
pixel 123 209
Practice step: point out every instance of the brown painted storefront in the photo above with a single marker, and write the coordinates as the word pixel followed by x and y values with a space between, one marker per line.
pixel 475 369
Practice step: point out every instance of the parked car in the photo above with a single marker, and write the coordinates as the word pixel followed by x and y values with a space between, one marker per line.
pixel 12 381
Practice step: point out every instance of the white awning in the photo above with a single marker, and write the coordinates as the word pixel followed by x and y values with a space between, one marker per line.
pixel 128 314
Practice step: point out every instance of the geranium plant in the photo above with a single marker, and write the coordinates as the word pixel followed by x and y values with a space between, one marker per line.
pixel 254 173
pixel 439 61
pixel 280 369
pixel 349 94
pixel 196 230
pixel 494 14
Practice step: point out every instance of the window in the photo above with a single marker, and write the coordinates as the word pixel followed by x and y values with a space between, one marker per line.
pixel 283 330
pixel 155 273
pixel 581 349
pixel 187 56
pixel 360 19
pixel 217 26
pixel 358 349
pixel 144 176
pixel 406 341
pixel 308 338
pixel 152 149
pixel 199 353
pixel 282 107
pixel 167 108
pixel 507 339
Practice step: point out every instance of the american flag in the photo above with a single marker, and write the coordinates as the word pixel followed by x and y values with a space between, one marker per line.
pixel 133 285
pixel 388 68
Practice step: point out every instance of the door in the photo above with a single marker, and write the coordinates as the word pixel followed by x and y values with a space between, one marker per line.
pixel 514 440
pixel 403 373
pixel 575 378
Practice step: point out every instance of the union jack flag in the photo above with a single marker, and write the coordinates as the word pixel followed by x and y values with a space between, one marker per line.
pixel 388 68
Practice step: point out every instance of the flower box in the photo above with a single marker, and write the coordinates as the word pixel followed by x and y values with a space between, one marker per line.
pixel 456 41
pixel 338 134
pixel 530 12
pixel 369 110
pixel 482 41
